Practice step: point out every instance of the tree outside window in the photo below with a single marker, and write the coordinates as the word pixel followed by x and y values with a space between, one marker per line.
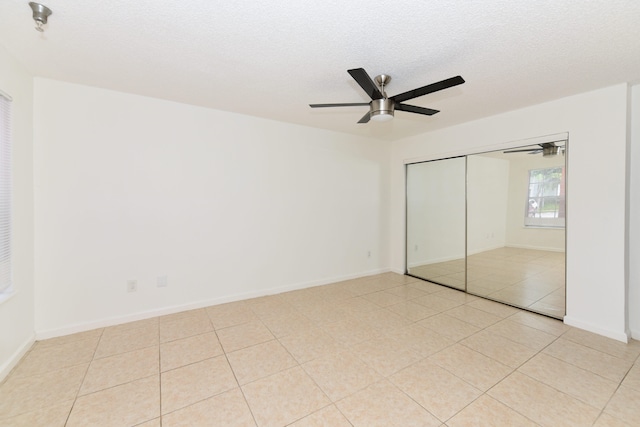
pixel 545 205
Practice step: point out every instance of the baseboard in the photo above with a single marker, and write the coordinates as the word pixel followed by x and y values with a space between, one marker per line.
pixel 16 357
pixel 635 334
pixel 536 248
pixel 434 261
pixel 116 320
pixel 619 336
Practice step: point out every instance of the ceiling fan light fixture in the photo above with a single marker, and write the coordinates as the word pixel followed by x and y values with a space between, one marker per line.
pixel 382 110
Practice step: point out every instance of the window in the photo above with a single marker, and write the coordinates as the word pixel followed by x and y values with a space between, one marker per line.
pixel 545 198
pixel 5 194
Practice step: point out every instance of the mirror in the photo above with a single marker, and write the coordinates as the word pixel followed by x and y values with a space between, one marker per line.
pixel 516 227
pixel 492 224
pixel 436 221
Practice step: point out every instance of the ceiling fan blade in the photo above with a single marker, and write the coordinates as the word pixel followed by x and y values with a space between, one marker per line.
pixel 417 110
pixel 424 90
pixel 365 118
pixel 346 104
pixel 365 82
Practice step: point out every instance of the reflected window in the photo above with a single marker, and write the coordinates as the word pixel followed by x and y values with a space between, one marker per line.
pixel 545 198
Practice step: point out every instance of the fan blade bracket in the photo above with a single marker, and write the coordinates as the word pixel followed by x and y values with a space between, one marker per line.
pixel 416 109
pixel 365 118
pixel 364 80
pixel 425 90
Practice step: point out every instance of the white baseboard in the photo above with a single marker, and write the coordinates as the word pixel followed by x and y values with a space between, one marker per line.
pixel 536 248
pixel 434 261
pixel 116 320
pixel 635 334
pixel 6 367
pixel 616 335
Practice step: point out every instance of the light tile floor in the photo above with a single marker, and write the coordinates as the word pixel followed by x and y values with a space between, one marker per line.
pixel 386 350
pixel 527 278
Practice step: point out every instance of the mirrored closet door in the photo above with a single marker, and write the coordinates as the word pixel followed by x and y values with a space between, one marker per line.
pixel 436 221
pixel 512 231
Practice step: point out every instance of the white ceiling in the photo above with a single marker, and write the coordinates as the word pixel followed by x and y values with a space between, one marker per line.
pixel 271 59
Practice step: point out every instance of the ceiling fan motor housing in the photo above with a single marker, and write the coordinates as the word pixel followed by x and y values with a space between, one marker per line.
pixel 382 107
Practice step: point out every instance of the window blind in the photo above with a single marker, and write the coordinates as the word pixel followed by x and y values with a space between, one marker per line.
pixel 5 193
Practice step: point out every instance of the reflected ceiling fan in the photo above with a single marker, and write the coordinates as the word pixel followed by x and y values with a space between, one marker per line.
pixel 546 148
pixel 381 107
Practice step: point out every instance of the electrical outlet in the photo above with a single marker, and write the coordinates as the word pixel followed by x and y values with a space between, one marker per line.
pixel 132 285
pixel 162 281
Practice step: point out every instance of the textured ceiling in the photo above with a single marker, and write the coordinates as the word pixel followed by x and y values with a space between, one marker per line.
pixel 271 59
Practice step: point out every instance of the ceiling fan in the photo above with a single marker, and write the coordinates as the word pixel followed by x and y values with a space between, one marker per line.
pixel 381 107
pixel 546 148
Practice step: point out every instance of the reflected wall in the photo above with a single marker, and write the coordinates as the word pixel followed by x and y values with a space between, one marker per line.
pixel 436 221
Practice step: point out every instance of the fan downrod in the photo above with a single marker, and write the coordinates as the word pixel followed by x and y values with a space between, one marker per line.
pixel 382 80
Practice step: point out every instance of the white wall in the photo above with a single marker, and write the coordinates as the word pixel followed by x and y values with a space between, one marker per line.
pixel 595 237
pixel 17 312
pixel 551 239
pixel 226 206
pixel 634 216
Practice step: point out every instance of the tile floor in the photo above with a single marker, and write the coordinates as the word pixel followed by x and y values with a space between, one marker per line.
pixel 531 279
pixel 386 350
